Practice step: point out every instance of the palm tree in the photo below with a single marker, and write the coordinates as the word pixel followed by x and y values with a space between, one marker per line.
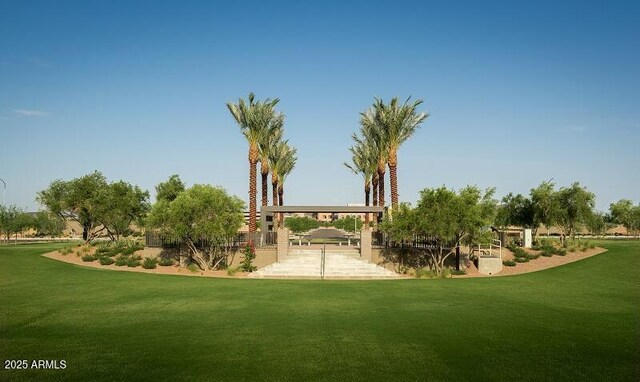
pixel 253 118
pixel 285 166
pixel 395 124
pixel 364 164
pixel 277 156
pixel 269 140
pixel 375 139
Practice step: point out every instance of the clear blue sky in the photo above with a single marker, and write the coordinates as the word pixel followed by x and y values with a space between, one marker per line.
pixel 518 92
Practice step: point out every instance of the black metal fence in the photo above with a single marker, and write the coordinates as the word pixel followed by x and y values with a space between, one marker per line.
pixel 380 239
pixel 269 239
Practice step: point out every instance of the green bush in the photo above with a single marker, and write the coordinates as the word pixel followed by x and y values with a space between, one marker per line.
pixel 134 261
pixel 193 268
pixel 509 263
pixel 88 258
pixel 424 273
pixel 521 260
pixel 560 251
pixel 149 263
pixel 165 262
pixel 460 272
pixel 231 271
pixel 247 259
pixel 121 261
pixel 112 248
pixel 106 260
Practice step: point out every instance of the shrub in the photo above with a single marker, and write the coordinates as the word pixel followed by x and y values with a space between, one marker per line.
pixel 560 251
pixel 133 261
pixel 88 258
pixel 521 260
pixel 193 268
pixel 460 272
pixel 121 261
pixel 130 250
pixel 165 262
pixel 149 263
pixel 247 259
pixel 509 263
pixel 231 271
pixel 106 260
pixel 446 273
pixel 424 273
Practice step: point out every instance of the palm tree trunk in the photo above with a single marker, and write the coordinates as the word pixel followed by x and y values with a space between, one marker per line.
pixel 381 188
pixel 281 201
pixel 367 191
pixel 393 178
pixel 274 195
pixel 374 184
pixel 252 197
pixel 265 187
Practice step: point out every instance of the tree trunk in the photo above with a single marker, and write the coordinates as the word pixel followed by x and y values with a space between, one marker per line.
pixel 394 186
pixel 252 198
pixel 196 255
pixel 274 195
pixel 265 187
pixel 281 201
pixel 381 188
pixel 367 190
pixel 374 184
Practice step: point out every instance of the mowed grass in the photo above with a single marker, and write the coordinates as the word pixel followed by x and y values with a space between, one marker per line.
pixel 575 322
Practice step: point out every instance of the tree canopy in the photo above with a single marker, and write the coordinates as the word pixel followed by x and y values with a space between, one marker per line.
pixel 202 214
pixel 447 218
pixel 97 205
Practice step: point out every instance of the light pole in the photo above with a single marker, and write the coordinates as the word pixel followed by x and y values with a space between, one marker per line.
pixel 4 192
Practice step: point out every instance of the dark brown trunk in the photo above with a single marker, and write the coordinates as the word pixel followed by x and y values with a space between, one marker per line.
pixel 265 188
pixel 252 198
pixel 381 188
pixel 367 191
pixel 374 184
pixel 274 195
pixel 393 177
pixel 281 201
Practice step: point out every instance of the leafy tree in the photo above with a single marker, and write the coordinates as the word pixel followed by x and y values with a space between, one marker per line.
pixel 394 123
pixel 97 205
pixel 201 214
pixel 121 204
pixel 449 218
pixel 48 224
pixel 78 200
pixel 544 205
pixel 348 223
pixel 299 224
pixel 625 213
pixel 596 223
pixel 574 206
pixel 254 119
pixel 13 220
pixel 170 189
pixel 516 210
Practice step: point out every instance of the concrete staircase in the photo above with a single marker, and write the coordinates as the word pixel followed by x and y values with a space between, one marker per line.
pixel 339 264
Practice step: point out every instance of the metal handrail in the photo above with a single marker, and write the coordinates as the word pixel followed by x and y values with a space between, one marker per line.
pixel 322 260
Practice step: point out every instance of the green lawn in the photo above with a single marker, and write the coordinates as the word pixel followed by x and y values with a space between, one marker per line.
pixel 575 322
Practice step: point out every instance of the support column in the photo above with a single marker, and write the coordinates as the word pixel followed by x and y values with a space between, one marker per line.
pixel 283 244
pixel 365 244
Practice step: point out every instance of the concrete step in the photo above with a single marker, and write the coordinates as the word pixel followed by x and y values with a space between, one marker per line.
pixel 345 264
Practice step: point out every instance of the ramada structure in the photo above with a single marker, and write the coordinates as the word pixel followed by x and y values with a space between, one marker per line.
pixel 331 262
